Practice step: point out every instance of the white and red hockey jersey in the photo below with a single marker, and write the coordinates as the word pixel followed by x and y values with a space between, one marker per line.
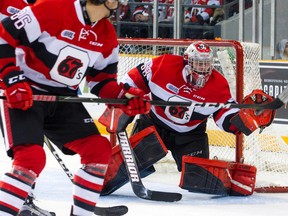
pixel 165 77
pixel 56 48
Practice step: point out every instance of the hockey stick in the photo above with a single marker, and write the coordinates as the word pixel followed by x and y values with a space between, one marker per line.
pixel 132 170
pixel 113 210
pixel 276 104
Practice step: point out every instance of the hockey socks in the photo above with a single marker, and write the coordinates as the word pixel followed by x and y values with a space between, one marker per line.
pixel 15 187
pixel 88 183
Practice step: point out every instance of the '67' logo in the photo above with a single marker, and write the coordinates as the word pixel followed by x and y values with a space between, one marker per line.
pixel 69 67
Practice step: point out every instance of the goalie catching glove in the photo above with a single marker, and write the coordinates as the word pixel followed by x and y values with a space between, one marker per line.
pixel 16 89
pixel 138 102
pixel 248 120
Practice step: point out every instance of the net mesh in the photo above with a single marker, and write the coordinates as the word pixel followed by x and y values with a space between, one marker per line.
pixel 240 65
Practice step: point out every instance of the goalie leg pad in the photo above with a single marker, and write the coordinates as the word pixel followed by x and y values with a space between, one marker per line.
pixel 116 175
pixel 217 177
pixel 148 149
pixel 243 180
pixel 205 176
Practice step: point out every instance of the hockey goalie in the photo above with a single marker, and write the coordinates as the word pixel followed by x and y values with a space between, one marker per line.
pixel 182 130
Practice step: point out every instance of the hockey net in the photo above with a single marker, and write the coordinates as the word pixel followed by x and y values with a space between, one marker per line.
pixel 239 63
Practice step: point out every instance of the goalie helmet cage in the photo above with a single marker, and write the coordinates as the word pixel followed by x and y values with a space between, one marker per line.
pixel 239 63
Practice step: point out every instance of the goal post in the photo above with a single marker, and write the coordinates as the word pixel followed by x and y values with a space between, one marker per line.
pixel 141 49
pixel 239 63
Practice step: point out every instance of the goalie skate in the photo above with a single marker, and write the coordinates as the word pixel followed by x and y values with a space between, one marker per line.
pixel 30 209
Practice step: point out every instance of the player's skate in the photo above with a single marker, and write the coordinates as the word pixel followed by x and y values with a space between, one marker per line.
pixel 30 209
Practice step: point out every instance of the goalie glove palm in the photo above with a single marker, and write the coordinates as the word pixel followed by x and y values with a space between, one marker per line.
pixel 248 120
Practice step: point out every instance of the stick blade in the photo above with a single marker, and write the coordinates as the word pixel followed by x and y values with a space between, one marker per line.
pixel 142 192
pixel 165 196
pixel 147 194
pixel 111 211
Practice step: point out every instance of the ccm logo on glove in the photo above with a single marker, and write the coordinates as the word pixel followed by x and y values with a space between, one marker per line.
pixel 18 78
pixel 16 89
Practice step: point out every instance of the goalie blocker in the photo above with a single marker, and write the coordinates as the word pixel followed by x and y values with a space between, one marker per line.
pixel 148 149
pixel 217 177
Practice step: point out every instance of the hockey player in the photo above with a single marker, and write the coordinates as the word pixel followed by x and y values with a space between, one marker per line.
pixel 51 53
pixel 183 129
pixel 7 8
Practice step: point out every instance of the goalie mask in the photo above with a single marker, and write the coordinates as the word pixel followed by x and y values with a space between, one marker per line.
pixel 199 59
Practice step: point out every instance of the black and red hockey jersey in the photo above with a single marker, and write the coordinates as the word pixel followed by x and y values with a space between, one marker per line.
pixel 56 49
pixel 165 77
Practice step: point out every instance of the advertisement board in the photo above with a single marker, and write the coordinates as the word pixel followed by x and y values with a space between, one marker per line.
pixel 274 75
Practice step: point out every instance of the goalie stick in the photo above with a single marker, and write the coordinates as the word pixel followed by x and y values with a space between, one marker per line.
pixel 132 170
pixel 111 211
pixel 276 104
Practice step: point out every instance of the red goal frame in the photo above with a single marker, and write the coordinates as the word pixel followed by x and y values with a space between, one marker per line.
pixel 186 42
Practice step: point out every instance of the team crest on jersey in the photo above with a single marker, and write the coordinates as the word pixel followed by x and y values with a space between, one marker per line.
pixel 185 89
pixel 70 66
pixel 89 35
pixel 172 88
pixel 68 34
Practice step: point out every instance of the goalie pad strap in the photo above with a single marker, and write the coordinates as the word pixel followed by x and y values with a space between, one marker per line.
pixel 136 138
pixel 243 179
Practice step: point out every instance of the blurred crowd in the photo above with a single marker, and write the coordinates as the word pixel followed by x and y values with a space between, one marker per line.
pixel 199 17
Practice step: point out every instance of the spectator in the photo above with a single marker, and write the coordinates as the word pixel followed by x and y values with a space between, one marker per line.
pixel 144 14
pixel 170 10
pixel 217 17
pixel 167 32
pixel 283 49
pixel 198 16
pixel 140 14
pixel 124 15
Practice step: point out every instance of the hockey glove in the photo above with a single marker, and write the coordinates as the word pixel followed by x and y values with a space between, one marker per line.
pixel 16 89
pixel 248 120
pixel 138 102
